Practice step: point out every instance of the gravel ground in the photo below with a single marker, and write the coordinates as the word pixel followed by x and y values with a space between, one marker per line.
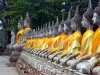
pixel 4 70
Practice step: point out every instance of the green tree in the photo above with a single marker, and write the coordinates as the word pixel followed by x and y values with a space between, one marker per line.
pixel 42 11
pixel 16 8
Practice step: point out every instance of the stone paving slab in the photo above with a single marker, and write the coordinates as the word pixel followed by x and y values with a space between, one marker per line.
pixel 4 70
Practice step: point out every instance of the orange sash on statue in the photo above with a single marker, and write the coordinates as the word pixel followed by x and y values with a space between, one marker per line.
pixel 65 45
pixel 86 44
pixel 75 42
pixel 96 42
pixel 27 28
pixel 20 32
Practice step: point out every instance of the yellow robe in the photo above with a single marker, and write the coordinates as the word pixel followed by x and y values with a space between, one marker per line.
pixel 27 28
pixel 86 43
pixel 75 42
pixel 96 42
pixel 27 42
pixel 42 44
pixel 30 43
pixel 65 45
pixel 50 43
pixel 58 42
pixel 20 32
pixel 36 44
pixel 61 39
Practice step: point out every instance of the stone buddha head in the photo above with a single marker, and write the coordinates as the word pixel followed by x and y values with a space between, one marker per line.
pixel 52 23
pixel 61 25
pixel 27 21
pixel 55 30
pixel 42 32
pixel 36 33
pixel 13 31
pixel 47 32
pixel 67 24
pixel 29 35
pixel 33 32
pixel 50 31
pixel 20 23
pixel 87 17
pixel 76 21
pixel 96 16
pixel 60 29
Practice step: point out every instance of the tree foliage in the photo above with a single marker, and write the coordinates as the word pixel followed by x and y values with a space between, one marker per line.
pixel 42 11
pixel 16 9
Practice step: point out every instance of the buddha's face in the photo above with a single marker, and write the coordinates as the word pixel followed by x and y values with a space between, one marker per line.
pixel 19 26
pixel 60 29
pixel 12 33
pixel 25 23
pixel 85 23
pixel 50 32
pixel 43 34
pixel 54 32
pixel 94 18
pixel 73 26
pixel 65 28
pixel 46 33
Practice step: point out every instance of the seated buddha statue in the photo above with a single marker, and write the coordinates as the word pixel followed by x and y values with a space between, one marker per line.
pixel 86 42
pixel 13 40
pixel 67 30
pixel 75 39
pixel 60 39
pixel 43 44
pixel 19 38
pixel 29 42
pixel 27 31
pixel 96 43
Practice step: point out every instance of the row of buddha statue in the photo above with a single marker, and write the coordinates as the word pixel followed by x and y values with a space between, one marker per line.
pixel 61 44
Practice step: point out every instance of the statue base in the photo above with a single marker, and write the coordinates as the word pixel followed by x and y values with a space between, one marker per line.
pixel 31 64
